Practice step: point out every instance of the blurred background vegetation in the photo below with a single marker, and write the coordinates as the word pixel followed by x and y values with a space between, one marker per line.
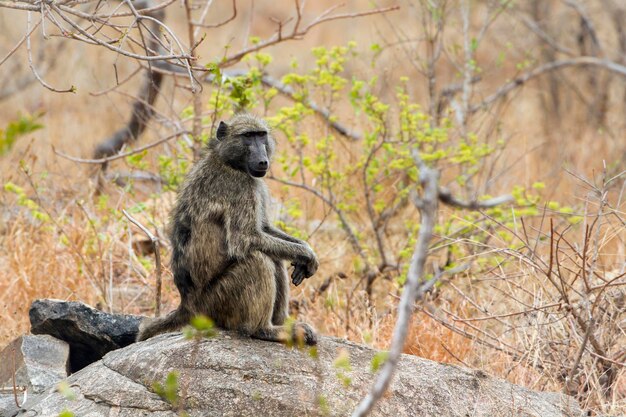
pixel 520 98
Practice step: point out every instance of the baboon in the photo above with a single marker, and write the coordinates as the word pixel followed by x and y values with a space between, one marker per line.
pixel 227 258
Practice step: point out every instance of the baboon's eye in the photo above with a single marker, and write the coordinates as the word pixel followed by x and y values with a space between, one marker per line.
pixel 253 134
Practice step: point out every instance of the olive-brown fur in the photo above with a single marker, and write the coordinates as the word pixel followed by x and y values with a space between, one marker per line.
pixel 227 258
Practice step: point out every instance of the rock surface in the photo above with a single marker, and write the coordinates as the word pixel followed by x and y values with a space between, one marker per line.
pixel 90 333
pixel 37 363
pixel 231 375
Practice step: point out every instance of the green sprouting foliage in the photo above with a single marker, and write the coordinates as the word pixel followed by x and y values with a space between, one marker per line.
pixel 23 125
pixel 64 388
pixel 200 327
pixel 66 391
pixel 35 210
pixel 382 172
pixel 169 389
pixel 367 184
pixel 137 160
pixel 378 360
pixel 322 402
pixel 343 366
pixel 173 169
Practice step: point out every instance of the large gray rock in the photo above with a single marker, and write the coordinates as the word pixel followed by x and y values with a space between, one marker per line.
pixel 232 375
pixel 36 363
pixel 90 333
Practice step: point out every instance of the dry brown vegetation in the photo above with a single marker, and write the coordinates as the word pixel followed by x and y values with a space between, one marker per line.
pixel 550 311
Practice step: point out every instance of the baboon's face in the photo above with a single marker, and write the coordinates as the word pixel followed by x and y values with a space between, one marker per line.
pixel 246 144
pixel 258 160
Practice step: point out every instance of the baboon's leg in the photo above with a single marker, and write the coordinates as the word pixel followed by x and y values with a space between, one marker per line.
pixel 243 297
pixel 281 303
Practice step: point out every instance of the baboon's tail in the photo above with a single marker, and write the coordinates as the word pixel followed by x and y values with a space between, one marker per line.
pixel 173 321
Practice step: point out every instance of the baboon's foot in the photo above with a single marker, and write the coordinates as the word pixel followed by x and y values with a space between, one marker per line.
pixel 298 334
pixel 303 334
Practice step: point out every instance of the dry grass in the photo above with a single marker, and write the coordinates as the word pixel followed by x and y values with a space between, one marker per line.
pixel 86 251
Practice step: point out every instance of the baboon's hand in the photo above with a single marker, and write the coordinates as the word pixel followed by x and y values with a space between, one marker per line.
pixel 304 269
pixel 298 274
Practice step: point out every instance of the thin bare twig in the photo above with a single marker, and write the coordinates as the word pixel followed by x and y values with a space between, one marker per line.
pixel 17 403
pixel 121 155
pixel 72 89
pixel 298 33
pixel 216 25
pixel 352 237
pixel 157 256
pixel 21 42
pixel 142 110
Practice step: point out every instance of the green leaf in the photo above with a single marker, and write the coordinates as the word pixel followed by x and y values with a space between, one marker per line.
pixel 169 390
pixel 201 322
pixel 64 388
pixel 378 360
pixel 20 127
pixel 474 44
pixel 343 361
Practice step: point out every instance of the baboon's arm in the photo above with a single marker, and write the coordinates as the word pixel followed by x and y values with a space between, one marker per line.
pixel 244 234
pixel 301 270
pixel 277 233
pixel 267 226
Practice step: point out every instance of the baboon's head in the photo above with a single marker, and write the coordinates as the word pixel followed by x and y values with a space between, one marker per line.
pixel 245 143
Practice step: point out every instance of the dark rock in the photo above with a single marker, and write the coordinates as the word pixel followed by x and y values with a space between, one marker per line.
pixel 231 375
pixel 36 362
pixel 90 333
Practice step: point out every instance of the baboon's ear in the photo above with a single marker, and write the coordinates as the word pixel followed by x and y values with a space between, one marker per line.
pixel 222 131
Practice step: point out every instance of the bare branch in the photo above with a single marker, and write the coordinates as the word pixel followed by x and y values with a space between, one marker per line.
pixel 447 198
pixel 157 256
pixel 143 107
pixel 297 34
pixel 429 179
pixel 21 42
pixel 354 240
pixel 536 29
pixel 122 155
pixel 72 89
pixel 416 286
pixel 88 36
pixel 216 25
pixel 545 68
